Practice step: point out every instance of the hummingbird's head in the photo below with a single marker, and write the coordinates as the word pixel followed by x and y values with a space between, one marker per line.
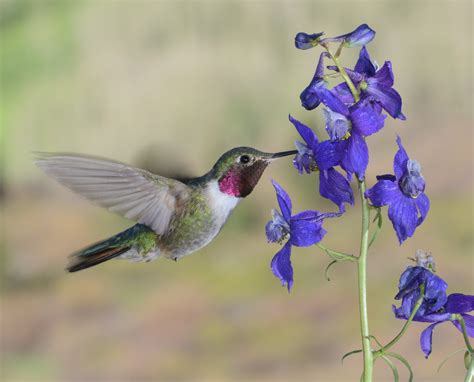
pixel 239 170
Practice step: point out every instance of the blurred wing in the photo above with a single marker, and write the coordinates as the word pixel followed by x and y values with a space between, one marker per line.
pixel 131 192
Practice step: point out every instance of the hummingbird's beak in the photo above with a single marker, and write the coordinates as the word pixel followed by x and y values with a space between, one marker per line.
pixel 283 154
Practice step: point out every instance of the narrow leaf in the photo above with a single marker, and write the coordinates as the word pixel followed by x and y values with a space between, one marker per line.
pixel 392 366
pixel 350 353
pixel 375 339
pixel 447 359
pixel 405 362
pixel 379 219
pixel 326 274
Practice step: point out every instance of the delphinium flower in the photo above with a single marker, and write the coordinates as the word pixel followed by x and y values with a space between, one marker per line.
pixel 361 36
pixel 306 41
pixel 436 306
pixel 301 230
pixel 332 185
pixel 347 133
pixel 403 193
pixel 376 85
pixel 317 91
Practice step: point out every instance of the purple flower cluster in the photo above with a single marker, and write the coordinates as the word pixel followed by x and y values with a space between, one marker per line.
pixel 436 306
pixel 353 109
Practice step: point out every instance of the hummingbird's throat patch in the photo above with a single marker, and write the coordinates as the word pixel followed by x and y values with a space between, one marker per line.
pixel 229 184
pixel 240 182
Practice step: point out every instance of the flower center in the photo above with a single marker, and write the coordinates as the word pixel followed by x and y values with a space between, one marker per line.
pixel 304 160
pixel 279 229
pixel 337 125
pixel 412 183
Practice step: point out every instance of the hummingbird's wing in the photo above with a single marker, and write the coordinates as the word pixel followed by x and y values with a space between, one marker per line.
pixel 131 192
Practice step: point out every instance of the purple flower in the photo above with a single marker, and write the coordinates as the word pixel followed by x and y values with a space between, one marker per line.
pixel 361 36
pixel 322 157
pixel 375 84
pixel 348 132
pixel 409 291
pixel 301 230
pixel 317 91
pixel 307 41
pixel 403 193
pixel 436 307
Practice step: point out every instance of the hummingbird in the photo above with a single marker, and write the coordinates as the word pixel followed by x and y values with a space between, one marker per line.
pixel 174 218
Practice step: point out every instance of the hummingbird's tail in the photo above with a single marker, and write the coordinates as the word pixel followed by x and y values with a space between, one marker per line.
pixel 94 255
pixel 131 239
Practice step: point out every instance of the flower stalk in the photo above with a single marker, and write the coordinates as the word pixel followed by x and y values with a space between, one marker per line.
pixel 364 246
pixel 362 280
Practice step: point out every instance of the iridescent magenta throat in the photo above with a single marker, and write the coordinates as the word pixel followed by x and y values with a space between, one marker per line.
pixel 230 184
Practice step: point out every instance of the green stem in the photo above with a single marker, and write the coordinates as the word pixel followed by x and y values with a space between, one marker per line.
pixel 460 319
pixel 383 349
pixel 345 76
pixel 364 245
pixel 362 273
pixel 470 372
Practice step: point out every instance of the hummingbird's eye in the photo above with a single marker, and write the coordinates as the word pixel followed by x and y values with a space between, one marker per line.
pixel 244 159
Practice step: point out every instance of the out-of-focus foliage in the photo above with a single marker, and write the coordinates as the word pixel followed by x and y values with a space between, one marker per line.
pixel 169 86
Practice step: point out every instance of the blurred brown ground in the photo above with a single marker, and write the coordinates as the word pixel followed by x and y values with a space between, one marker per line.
pixel 171 85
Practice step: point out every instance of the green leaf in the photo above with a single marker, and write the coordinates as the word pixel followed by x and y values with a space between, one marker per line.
pixel 392 366
pixel 327 269
pixel 405 362
pixel 375 339
pixel 379 219
pixel 335 255
pixel 350 353
pixel 447 359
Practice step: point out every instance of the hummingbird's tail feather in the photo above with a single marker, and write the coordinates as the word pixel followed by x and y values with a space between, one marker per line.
pixel 94 255
pixel 80 260
pixel 136 243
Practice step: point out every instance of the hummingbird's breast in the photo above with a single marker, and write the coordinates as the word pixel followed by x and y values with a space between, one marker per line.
pixel 198 222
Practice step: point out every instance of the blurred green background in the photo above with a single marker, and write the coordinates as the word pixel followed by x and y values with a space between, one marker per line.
pixel 169 86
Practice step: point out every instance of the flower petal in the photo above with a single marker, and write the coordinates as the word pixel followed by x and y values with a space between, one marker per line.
pixel 400 161
pixel 335 187
pixel 383 192
pixel 281 266
pixel 364 63
pixel 309 96
pixel 307 41
pixel 356 157
pixel 332 101
pixel 308 135
pixel 460 303
pixel 362 35
pixel 435 294
pixel 387 96
pixel 343 92
pixel 284 201
pixel 410 280
pixel 469 322
pixel 306 232
pixel 366 120
pixel 423 205
pixel 385 74
pixel 426 339
pixel 404 216
pixel 328 154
